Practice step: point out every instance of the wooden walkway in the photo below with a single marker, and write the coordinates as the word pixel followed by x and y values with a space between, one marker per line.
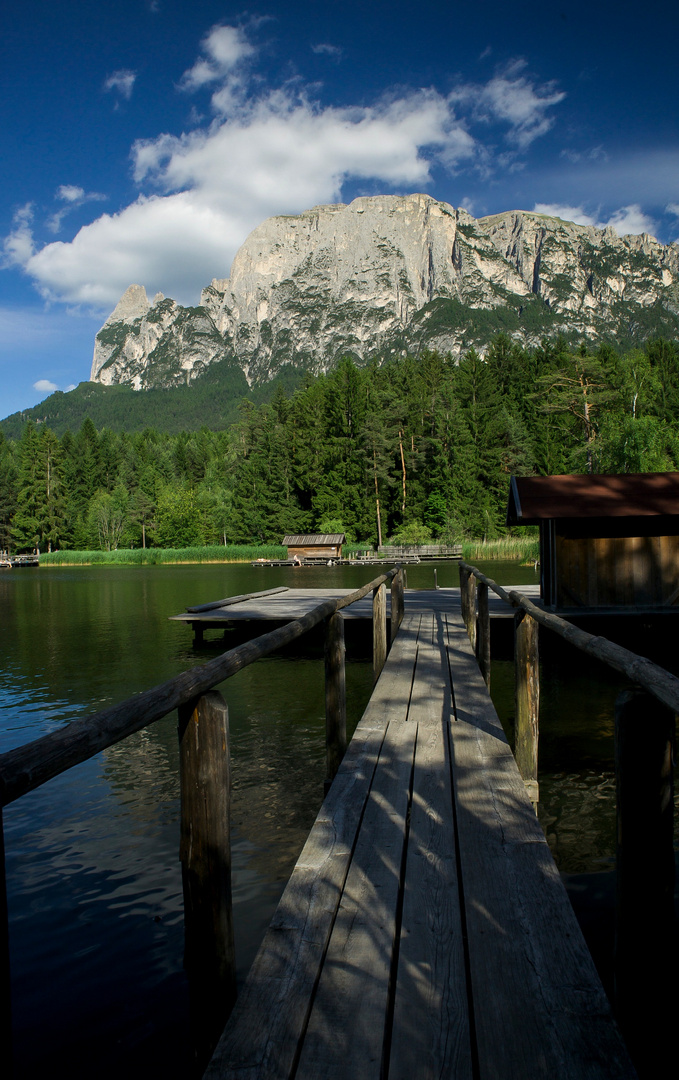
pixel 425 931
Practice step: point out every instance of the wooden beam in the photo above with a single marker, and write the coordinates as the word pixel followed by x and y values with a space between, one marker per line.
pixel 379 630
pixel 527 699
pixel 483 632
pixel 658 682
pixel 396 604
pixel 645 933
pixel 335 695
pixel 205 852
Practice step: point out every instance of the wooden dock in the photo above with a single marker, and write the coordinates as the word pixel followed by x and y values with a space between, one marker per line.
pixel 425 931
pixel 284 604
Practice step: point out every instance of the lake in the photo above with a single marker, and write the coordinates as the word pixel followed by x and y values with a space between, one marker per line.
pixel 94 880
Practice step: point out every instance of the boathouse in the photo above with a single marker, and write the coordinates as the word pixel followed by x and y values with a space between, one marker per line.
pixel 315 545
pixel 606 542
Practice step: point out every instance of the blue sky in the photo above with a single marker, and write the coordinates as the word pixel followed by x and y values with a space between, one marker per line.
pixel 143 139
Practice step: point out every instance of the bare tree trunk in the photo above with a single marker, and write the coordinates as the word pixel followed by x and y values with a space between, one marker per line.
pixel 403 466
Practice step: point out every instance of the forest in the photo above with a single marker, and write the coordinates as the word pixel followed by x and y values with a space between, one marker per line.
pixel 408 450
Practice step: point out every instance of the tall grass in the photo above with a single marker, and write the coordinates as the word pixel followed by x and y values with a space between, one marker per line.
pixel 523 549
pixel 155 556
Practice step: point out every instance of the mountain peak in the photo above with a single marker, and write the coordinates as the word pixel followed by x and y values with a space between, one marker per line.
pixel 388 273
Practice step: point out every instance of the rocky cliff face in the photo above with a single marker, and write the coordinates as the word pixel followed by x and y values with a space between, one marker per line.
pixel 388 274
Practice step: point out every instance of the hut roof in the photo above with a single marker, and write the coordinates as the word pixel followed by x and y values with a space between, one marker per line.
pixel 535 498
pixel 313 539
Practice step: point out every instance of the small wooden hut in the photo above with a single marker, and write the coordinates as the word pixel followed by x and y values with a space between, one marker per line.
pixel 315 545
pixel 608 542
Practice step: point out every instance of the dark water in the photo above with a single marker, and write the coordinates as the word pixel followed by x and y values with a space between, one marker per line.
pixel 94 879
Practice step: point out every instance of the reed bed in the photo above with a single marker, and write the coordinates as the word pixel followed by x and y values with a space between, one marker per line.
pixel 523 549
pixel 231 553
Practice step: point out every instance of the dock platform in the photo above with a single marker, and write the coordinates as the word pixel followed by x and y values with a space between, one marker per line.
pixel 283 605
pixel 425 931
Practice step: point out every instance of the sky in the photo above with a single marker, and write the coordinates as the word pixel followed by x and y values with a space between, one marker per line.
pixel 142 140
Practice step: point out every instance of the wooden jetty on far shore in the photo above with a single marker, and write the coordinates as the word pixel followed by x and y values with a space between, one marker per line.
pixel 12 562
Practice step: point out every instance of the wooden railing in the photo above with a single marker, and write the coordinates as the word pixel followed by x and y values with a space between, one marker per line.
pixel 204 784
pixel 644 758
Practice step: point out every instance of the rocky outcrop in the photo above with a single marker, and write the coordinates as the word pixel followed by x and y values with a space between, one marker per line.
pixel 388 274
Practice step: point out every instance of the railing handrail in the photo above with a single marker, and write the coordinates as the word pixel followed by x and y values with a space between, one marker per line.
pixel 656 680
pixel 29 766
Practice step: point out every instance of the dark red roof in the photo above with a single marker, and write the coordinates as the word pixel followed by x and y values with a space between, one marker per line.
pixel 536 498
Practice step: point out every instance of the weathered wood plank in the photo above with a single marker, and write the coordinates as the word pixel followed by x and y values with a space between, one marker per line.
pixel 345 1034
pixel 379 630
pixel 264 1032
pixel 539 1008
pixel 526 696
pixel 214 604
pixel 430 1036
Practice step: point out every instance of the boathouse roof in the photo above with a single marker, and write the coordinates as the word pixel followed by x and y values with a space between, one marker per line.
pixel 533 499
pixel 313 539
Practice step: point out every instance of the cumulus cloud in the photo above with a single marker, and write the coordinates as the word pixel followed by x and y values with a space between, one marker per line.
pixel 628 220
pixel 266 151
pixel 122 82
pixel 44 386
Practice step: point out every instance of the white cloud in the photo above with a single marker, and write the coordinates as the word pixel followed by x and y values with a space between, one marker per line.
pixel 631 220
pixel 323 49
pixel 18 246
pixel 44 386
pixel 515 100
pixel 74 197
pixel 122 82
pixel 628 220
pixel 279 156
pixel 673 208
pixel 70 193
pixel 267 151
pixel 567 213
pixel 225 47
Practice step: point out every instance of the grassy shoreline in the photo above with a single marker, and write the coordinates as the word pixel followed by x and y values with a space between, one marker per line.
pixel 507 548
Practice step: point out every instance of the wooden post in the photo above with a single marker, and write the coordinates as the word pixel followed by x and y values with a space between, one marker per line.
pixel 468 603
pixel 464 594
pixel 379 629
pixel 205 852
pixel 645 942
pixel 197 633
pixel 527 701
pixel 335 695
pixel 6 1009
pixel 483 632
pixel 396 605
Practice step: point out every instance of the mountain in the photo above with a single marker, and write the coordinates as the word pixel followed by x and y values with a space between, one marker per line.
pixel 390 274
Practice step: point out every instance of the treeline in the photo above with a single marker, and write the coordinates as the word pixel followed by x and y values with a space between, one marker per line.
pixel 409 449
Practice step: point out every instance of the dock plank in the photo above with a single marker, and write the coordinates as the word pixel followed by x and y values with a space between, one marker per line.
pixel 430 1035
pixel 539 1007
